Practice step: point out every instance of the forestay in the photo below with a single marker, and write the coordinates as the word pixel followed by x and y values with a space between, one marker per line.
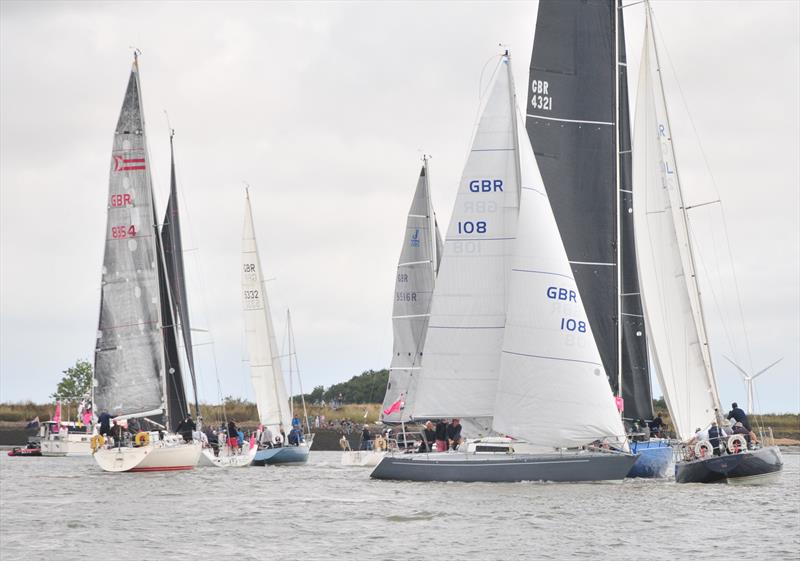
pixel 552 388
pixel 465 333
pixel 129 357
pixel 678 343
pixel 416 274
pixel 262 349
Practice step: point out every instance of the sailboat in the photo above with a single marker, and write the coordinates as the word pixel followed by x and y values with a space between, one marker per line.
pixel 413 289
pixel 137 370
pixel 673 307
pixel 265 360
pixel 583 148
pixel 509 346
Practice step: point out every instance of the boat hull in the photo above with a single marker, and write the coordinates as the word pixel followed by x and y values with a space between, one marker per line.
pixel 153 457
pixel 225 460
pixel 654 460
pixel 73 445
pixel 282 455
pixel 362 458
pixel 444 466
pixel 751 466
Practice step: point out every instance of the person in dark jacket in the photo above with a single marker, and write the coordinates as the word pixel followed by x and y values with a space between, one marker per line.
pixel 366 439
pixel 428 438
pixel 441 436
pixel 233 437
pixel 105 423
pixel 739 416
pixel 714 437
pixel 656 426
pixel 454 433
pixel 186 428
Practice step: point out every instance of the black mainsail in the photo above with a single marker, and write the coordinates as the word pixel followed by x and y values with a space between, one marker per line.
pixel 173 257
pixel 576 98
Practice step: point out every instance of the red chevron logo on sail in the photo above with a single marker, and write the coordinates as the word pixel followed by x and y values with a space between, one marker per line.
pixel 128 164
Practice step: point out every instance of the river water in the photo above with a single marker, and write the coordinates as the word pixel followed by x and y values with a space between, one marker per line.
pixel 68 509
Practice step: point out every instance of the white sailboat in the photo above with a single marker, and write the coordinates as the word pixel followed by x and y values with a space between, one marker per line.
pixel 137 373
pixel 670 291
pixel 413 291
pixel 509 347
pixel 266 374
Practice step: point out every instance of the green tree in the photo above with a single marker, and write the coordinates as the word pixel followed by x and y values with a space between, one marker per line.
pixel 76 383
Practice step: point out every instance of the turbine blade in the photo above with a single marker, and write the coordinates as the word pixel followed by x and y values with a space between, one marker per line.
pixel 739 368
pixel 760 372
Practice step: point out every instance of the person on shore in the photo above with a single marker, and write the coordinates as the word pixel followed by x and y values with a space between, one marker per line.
pixel 440 435
pixel 454 433
pixel 366 439
pixel 428 438
pixel 739 416
pixel 105 423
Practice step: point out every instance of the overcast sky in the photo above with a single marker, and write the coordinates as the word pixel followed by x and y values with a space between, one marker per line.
pixel 324 108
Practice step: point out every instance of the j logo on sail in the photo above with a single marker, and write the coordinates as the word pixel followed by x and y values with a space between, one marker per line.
pixel 415 238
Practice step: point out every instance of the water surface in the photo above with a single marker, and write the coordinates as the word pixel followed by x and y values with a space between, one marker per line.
pixel 67 509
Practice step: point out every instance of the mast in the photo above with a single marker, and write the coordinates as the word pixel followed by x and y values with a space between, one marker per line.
pixel 293 353
pixel 701 324
pixel 618 224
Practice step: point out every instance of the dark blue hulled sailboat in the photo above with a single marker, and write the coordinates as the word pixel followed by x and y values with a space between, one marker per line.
pixel 579 126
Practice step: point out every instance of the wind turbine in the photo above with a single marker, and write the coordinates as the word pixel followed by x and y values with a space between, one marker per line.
pixel 748 380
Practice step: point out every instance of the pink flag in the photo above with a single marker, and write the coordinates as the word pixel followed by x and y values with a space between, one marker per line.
pixel 396 406
pixel 57 415
pixel 620 403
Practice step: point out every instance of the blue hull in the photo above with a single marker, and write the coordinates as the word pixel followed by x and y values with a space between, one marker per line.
pixel 655 457
pixel 283 455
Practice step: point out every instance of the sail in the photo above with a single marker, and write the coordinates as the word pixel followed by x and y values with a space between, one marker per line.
pixel 465 332
pixel 414 281
pixel 552 389
pixel 129 358
pixel 678 345
pixel 173 257
pixel 262 349
pixel 574 138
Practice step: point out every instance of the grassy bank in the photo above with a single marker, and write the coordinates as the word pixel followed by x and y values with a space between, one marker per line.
pixel 783 426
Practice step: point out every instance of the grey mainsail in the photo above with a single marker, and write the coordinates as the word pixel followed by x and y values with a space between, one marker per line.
pixel 129 357
pixel 586 167
pixel 416 274
pixel 173 257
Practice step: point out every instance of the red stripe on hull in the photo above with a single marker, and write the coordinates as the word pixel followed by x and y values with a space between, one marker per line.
pixel 165 468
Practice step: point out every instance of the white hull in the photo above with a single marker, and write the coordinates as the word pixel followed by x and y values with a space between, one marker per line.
pixel 73 445
pixel 225 460
pixel 362 458
pixel 152 457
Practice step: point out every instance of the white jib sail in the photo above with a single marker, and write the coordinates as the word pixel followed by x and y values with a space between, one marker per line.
pixel 676 335
pixel 553 390
pixel 262 349
pixel 416 274
pixel 465 333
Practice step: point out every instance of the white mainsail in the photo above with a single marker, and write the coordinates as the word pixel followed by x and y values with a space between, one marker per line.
pixel 262 349
pixel 414 282
pixel 468 313
pixel 552 389
pixel 667 275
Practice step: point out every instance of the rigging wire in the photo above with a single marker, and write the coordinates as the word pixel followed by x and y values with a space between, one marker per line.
pixel 725 228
